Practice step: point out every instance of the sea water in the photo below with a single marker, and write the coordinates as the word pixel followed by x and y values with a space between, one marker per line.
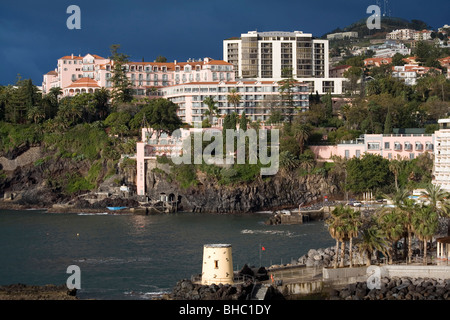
pixel 139 257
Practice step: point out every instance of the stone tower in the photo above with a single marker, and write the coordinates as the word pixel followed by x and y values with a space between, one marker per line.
pixel 217 264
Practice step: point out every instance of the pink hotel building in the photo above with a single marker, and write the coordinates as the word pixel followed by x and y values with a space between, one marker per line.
pixel 185 83
pixel 390 146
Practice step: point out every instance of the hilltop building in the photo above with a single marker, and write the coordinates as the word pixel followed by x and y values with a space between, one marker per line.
pixel 409 34
pixel 342 35
pixel 272 56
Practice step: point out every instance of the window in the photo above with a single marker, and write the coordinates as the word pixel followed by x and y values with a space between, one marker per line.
pixel 408 146
pixel 373 146
pixel 347 154
pixel 387 145
pixel 419 146
pixel 358 153
pixel 411 156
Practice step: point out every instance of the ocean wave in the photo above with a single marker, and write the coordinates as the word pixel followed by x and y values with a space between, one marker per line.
pixel 93 214
pixel 152 295
pixel 112 260
pixel 271 232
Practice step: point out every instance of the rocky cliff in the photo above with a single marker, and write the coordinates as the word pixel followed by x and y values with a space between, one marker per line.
pixel 38 178
pixel 264 193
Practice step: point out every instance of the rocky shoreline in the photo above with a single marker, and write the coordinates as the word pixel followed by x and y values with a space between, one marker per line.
pixel 396 288
pixel 29 292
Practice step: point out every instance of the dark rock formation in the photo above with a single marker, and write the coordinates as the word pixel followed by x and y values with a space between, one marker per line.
pixel 187 290
pixel 262 194
pixel 27 292
pixel 396 288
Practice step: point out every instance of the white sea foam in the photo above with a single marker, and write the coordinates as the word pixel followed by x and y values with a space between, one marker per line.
pixel 112 260
pixel 271 232
pixel 93 214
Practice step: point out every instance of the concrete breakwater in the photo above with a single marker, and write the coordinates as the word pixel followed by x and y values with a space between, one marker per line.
pixel 295 217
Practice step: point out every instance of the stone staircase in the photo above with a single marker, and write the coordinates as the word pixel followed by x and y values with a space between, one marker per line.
pixel 259 291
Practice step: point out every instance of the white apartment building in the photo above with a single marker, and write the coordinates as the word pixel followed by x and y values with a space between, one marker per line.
pixel 389 49
pixel 401 34
pixel 441 168
pixel 266 56
pixel 257 99
pixel 342 35
pixel 409 34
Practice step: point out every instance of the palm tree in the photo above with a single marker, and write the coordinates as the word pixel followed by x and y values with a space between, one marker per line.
pixel 234 98
pixel 391 222
pixel 372 239
pixel 35 113
pixel 438 198
pixel 302 132
pixel 339 169
pixel 335 226
pixel 354 223
pixel 212 108
pixel 406 208
pixel 394 167
pixel 425 224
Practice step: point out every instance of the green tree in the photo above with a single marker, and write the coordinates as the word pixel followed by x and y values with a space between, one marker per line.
pixel 234 98
pixel 425 224
pixel 368 173
pixel 388 123
pixel 243 122
pixel 336 227
pixel 397 60
pixel 161 59
pixel 301 131
pixel 212 110
pixel 121 91
pixel 35 114
pixel 160 115
pixel 372 239
pixel 391 222
pixel 286 89
pixel 395 167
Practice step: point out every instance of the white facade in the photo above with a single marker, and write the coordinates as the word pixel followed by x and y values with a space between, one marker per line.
pixel 441 168
pixel 256 99
pixel 342 35
pixel 266 56
pixel 407 75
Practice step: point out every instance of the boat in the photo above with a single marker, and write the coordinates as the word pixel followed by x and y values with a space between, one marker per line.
pixel 116 208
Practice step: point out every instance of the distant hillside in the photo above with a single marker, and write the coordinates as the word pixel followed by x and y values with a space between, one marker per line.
pixel 388 24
